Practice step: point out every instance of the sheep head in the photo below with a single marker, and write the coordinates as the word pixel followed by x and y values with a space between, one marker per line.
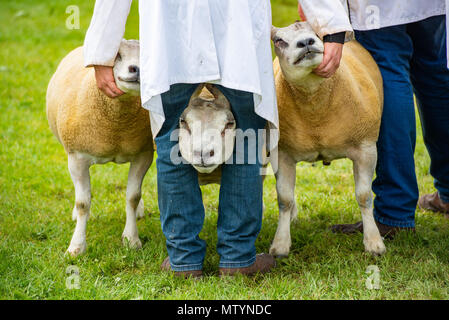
pixel 127 67
pixel 299 50
pixel 207 130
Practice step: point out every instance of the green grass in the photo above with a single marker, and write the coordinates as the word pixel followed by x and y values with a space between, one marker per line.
pixel 36 199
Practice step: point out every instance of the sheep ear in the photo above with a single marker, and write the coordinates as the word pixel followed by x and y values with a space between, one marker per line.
pixel 197 93
pixel 274 31
pixel 219 96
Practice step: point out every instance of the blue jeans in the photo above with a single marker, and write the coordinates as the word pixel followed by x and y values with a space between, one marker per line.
pixel 180 200
pixel 412 59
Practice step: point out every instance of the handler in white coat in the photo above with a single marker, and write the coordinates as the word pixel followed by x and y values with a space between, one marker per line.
pixel 408 40
pixel 184 43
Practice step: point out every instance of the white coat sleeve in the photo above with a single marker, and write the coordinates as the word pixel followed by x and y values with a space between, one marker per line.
pixel 105 32
pixel 327 17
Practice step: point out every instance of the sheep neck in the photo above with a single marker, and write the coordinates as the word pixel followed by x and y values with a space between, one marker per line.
pixel 121 108
pixel 313 93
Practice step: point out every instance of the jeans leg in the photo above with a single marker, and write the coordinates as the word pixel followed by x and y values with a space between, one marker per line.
pixel 395 185
pixel 430 78
pixel 180 201
pixel 241 192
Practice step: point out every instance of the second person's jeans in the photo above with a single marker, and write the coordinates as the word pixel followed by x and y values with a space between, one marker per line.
pixel 180 200
pixel 412 59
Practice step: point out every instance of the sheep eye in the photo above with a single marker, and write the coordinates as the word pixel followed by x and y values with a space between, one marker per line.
pixel 279 43
pixel 183 124
pixel 230 125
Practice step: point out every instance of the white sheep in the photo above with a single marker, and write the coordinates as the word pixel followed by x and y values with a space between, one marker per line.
pixel 95 129
pixel 325 119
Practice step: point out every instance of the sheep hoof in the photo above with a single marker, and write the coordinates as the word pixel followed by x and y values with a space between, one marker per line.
pixel 76 250
pixel 132 242
pixel 279 250
pixel 280 256
pixel 376 247
pixel 140 212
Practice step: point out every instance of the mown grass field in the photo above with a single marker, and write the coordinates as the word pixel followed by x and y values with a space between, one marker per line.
pixel 36 200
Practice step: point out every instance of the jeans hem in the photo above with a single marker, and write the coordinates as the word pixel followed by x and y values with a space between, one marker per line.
pixel 233 265
pixel 393 223
pixel 187 267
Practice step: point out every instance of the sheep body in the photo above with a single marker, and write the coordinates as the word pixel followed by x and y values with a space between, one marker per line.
pixel 95 129
pixel 85 120
pixel 323 120
pixel 345 112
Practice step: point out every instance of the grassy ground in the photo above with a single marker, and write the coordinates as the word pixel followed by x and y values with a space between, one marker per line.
pixel 36 199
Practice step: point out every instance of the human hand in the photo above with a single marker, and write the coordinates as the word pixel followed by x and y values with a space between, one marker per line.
pixel 331 59
pixel 106 82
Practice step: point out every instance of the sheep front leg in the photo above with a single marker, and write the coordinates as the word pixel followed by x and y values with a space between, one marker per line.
pixel 134 202
pixel 364 164
pixel 79 171
pixel 285 187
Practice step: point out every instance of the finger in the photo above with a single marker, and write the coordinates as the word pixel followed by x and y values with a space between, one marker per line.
pixel 327 71
pixel 113 87
pixel 321 68
pixel 107 91
pixel 322 74
pixel 325 63
pixel 110 93
pixel 116 89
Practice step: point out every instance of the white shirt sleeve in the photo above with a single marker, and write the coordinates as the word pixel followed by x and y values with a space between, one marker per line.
pixel 105 32
pixel 327 16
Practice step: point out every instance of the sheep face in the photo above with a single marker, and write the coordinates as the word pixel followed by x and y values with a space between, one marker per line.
pixel 127 67
pixel 299 50
pixel 207 131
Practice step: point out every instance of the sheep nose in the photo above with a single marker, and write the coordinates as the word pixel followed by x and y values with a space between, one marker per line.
pixel 133 69
pixel 306 42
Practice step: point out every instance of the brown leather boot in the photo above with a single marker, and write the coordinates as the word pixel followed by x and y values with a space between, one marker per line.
pixel 433 203
pixel 263 264
pixel 388 232
pixel 165 266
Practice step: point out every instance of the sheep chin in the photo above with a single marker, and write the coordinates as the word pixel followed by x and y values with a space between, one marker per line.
pixel 205 170
pixel 133 89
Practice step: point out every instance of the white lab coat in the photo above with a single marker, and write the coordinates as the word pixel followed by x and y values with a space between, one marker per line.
pixel 191 41
pixel 373 14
